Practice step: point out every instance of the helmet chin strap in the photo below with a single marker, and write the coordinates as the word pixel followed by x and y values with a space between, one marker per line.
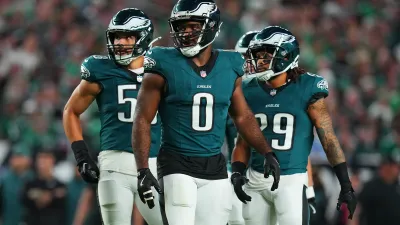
pixel 126 59
pixel 268 74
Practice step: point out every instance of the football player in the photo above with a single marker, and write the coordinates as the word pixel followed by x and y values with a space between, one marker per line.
pixel 194 86
pixel 114 81
pixel 289 103
pixel 231 134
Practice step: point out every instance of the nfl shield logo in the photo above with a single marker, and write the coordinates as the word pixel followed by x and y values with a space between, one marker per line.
pixel 272 92
pixel 203 73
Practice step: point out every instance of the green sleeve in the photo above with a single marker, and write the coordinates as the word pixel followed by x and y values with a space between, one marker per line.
pixel 87 71
pixel 93 68
pixel 238 62
pixel 154 61
pixel 317 88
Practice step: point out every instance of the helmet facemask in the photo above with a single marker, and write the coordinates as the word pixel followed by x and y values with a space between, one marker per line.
pixel 267 61
pixel 125 54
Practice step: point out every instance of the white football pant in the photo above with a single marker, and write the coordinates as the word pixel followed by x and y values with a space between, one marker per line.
pixel 286 206
pixel 117 189
pixel 235 218
pixel 193 201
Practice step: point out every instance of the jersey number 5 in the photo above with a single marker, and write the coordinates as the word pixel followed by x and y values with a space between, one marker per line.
pixel 278 129
pixel 202 102
pixel 122 99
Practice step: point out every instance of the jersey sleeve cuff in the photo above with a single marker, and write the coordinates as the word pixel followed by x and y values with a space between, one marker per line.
pixel 317 96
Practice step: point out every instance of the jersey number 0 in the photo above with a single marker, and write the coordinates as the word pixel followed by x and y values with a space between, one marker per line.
pixel 203 101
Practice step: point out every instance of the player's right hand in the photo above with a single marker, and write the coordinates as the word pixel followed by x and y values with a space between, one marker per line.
pixel 86 166
pixel 89 170
pixel 238 181
pixel 146 180
pixel 271 165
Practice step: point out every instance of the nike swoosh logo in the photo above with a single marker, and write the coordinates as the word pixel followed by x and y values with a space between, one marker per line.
pixel 141 182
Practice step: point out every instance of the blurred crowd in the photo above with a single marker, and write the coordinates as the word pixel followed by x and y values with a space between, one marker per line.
pixel 354 44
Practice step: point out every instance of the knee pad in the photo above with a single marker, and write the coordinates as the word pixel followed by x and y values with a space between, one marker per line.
pixel 107 197
pixel 180 191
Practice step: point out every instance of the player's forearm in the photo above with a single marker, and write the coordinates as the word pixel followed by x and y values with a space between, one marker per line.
pixel 331 145
pixel 249 130
pixel 72 126
pixel 241 154
pixel 141 141
pixel 322 121
pixel 309 174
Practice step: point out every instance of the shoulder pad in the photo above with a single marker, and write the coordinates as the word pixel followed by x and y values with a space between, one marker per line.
pixel 315 85
pixel 237 61
pixel 92 67
pixel 248 81
pixel 155 59
pixel 148 62
pixel 158 51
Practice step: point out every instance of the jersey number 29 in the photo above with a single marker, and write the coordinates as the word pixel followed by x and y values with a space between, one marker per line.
pixel 123 100
pixel 277 128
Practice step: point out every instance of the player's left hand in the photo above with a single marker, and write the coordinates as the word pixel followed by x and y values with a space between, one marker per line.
pixel 146 180
pixel 348 197
pixel 271 165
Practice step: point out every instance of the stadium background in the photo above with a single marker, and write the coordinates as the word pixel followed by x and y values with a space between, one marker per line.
pixel 355 45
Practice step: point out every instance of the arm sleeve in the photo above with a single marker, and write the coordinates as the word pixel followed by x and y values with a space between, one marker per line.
pixel 318 88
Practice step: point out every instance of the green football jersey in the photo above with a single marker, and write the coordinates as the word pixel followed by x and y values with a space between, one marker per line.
pixel 195 106
pixel 282 114
pixel 116 103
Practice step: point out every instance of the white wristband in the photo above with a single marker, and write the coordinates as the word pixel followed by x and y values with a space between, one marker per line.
pixel 310 192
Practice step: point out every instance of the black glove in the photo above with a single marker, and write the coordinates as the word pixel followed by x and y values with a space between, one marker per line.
pixel 346 193
pixel 271 165
pixel 238 181
pixel 349 198
pixel 146 180
pixel 86 166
